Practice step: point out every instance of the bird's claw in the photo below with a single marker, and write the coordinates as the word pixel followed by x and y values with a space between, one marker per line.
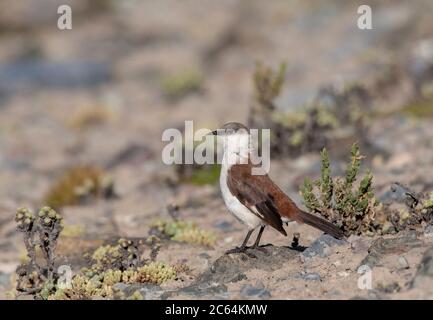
pixel 241 250
pixel 237 250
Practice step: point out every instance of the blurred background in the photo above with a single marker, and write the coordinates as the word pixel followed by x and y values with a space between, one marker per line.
pixel 101 94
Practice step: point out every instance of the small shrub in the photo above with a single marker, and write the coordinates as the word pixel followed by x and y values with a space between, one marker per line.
pixel 41 231
pixel 178 85
pixel 73 230
pixel 108 264
pixel 419 109
pixel 79 185
pixel 89 116
pixel 268 83
pixel 310 126
pixel 349 206
pixel 182 231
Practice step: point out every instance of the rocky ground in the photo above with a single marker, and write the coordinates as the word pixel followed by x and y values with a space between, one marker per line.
pixel 96 95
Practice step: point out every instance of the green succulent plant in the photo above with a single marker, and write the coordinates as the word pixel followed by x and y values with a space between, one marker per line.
pixel 78 185
pixel 183 231
pixel 338 200
pixel 268 83
pixel 178 85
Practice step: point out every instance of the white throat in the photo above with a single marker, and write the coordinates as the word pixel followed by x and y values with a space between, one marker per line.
pixel 237 149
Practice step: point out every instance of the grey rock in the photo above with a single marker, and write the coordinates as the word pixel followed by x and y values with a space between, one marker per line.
pixel 224 226
pixel 402 263
pixel 428 231
pixel 382 247
pixel 389 288
pixel 253 291
pixel 321 247
pixel 232 268
pixel 228 267
pixel 134 154
pixel 359 244
pixel 39 73
pixel 148 291
pixel 399 194
pixel 425 269
pixel 420 63
pixel 5 279
pixel 204 255
pixel 199 289
pixel 310 276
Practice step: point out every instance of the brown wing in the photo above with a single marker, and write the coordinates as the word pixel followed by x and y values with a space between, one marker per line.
pixel 249 190
pixel 264 198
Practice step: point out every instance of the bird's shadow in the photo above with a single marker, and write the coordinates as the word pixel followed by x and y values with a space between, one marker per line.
pixel 291 247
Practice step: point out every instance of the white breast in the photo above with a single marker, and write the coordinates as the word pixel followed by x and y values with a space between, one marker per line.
pixel 242 213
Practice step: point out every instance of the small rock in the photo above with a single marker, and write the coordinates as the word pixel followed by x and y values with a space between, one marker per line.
pixel 224 226
pixel 198 289
pixel 398 193
pixel 337 263
pixel 321 247
pixel 148 291
pixel 359 244
pixel 425 269
pixel 402 263
pixel 228 240
pixel 428 231
pixel 5 279
pixel 204 255
pixel 42 73
pixel 133 154
pixel 310 276
pixel 382 247
pixel 253 291
pixel 343 274
pixel 389 287
pixel 232 268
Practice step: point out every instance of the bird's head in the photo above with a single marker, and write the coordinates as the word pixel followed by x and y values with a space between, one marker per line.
pixel 235 137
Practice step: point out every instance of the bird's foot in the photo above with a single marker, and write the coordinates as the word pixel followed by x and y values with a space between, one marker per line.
pixel 241 250
pixel 237 250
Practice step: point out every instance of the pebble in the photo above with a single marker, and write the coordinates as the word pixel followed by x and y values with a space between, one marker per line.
pixel 424 273
pixel 311 277
pixel 343 274
pixel 402 263
pixel 253 291
pixel 321 247
pixel 5 279
pixel 224 226
pixel 397 193
pixel 428 231
pixel 359 244
pixel 228 240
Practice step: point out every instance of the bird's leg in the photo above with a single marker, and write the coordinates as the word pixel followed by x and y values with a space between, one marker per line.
pixel 243 247
pixel 295 241
pixel 256 243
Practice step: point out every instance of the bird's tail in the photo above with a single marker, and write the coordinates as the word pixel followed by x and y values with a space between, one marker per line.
pixel 320 223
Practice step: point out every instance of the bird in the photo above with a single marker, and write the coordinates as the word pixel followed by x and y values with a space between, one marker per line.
pixel 255 200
